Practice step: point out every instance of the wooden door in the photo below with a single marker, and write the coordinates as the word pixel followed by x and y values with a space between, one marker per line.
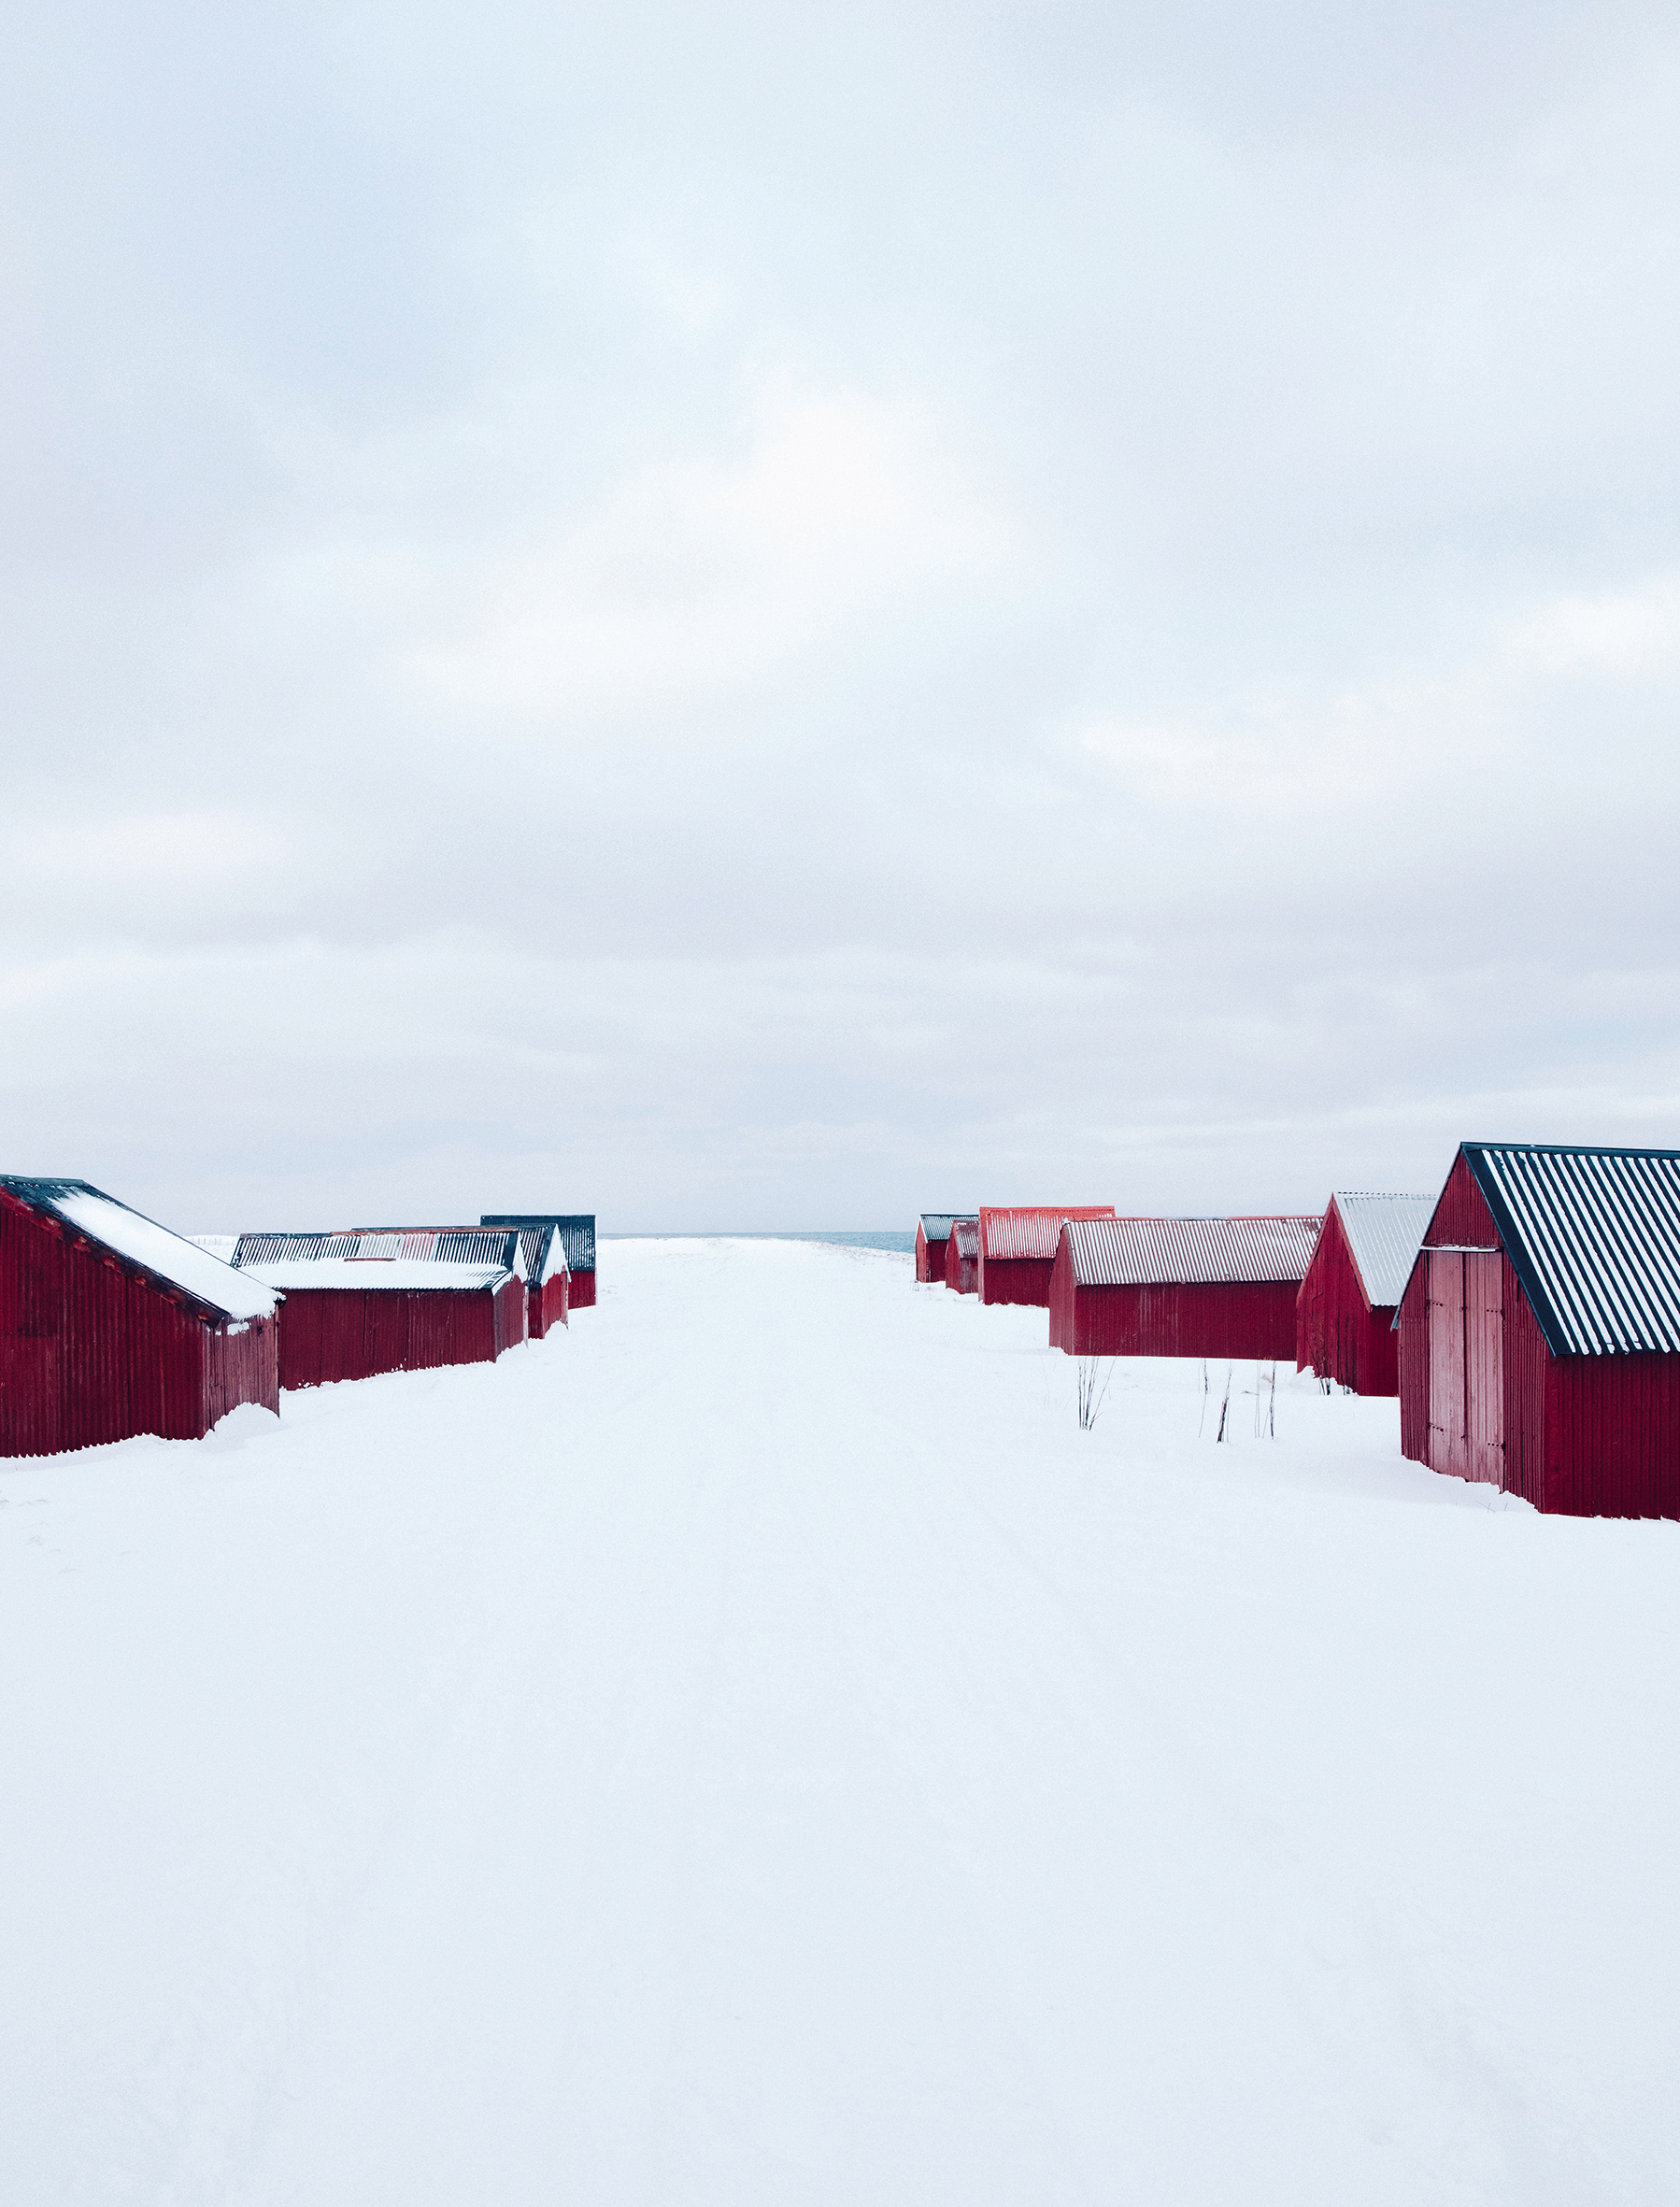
pixel 1445 1292
pixel 1485 1367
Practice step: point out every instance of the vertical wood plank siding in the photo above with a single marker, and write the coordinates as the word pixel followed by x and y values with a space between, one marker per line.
pixel 1588 1436
pixel 546 1303
pixel 89 1352
pixel 930 1258
pixel 1527 1359
pixel 332 1333
pixel 583 1291
pixel 1016 1279
pixel 1338 1334
pixel 1616 1452
pixel 961 1274
pixel 1236 1318
pixel 1414 1362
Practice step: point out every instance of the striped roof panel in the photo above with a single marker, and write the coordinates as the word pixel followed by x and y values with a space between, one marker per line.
pixel 496 1247
pixel 1030 1230
pixel 1594 1235
pixel 577 1232
pixel 1159 1252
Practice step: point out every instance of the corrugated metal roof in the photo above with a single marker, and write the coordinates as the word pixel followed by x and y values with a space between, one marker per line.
pixel 967 1234
pixel 168 1257
pixel 936 1225
pixel 545 1252
pixel 407 1275
pixel 1384 1232
pixel 497 1248
pixel 577 1231
pixel 1149 1252
pixel 1030 1230
pixel 1594 1235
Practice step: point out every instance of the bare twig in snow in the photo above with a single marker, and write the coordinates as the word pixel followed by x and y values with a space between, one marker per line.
pixel 1092 1381
pixel 1225 1405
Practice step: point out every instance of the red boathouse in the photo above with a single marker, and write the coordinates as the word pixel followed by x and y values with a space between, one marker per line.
pixel 963 1256
pixel 389 1300
pixel 578 1239
pixel 1345 1313
pixel 1540 1329
pixel 1180 1287
pixel 1017 1248
pixel 110 1324
pixel 933 1232
pixel 548 1281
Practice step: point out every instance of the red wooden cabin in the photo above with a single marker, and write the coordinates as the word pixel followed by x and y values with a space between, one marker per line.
pixel 933 1234
pixel 1540 1329
pixel 963 1256
pixel 110 1324
pixel 548 1280
pixel 388 1299
pixel 1180 1287
pixel 577 1238
pixel 1345 1313
pixel 1017 1248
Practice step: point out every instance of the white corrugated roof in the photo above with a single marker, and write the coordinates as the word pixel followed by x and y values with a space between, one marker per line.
pixel 407 1273
pixel 1148 1252
pixel 167 1256
pixel 498 1247
pixel 1030 1230
pixel 1384 1232
pixel 936 1225
pixel 966 1233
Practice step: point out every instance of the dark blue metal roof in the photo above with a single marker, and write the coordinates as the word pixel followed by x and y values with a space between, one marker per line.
pixel 577 1232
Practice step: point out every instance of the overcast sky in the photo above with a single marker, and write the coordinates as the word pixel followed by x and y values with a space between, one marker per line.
pixel 753 616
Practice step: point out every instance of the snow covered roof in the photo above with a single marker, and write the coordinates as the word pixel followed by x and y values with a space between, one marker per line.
pixel 544 1250
pixel 577 1232
pixel 1383 1234
pixel 498 1249
pixel 965 1233
pixel 1594 1235
pixel 936 1225
pixel 1030 1230
pixel 412 1275
pixel 169 1258
pixel 1146 1252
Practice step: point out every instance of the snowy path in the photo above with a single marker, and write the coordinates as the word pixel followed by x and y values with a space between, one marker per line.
pixel 756 1749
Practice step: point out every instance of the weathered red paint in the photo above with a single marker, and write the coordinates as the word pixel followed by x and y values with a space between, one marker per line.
pixel 1025 1279
pixel 961 1274
pixel 930 1257
pixel 94 1349
pixel 1338 1334
pixel 582 1295
pixel 1483 1397
pixel 329 1333
pixel 547 1303
pixel 1233 1319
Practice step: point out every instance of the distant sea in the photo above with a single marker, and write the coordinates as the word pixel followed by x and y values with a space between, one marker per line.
pixel 904 1244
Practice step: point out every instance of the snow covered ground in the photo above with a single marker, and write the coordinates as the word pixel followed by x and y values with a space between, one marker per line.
pixel 754 1747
